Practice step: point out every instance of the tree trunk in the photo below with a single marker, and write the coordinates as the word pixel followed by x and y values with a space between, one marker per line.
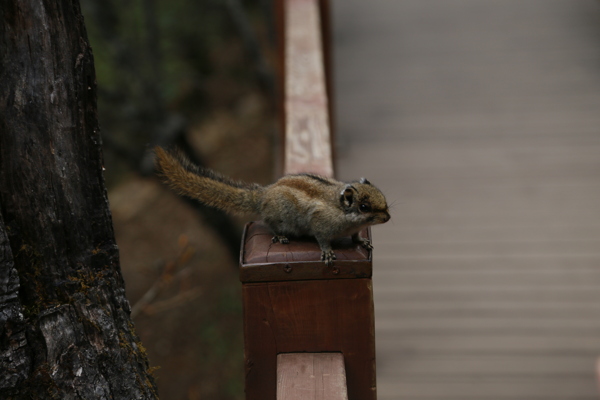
pixel 65 329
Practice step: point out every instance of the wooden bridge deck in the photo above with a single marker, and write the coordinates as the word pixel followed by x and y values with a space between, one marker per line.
pixel 481 122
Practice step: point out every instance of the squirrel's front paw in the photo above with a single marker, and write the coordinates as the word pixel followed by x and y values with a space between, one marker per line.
pixel 328 256
pixel 366 243
pixel 280 239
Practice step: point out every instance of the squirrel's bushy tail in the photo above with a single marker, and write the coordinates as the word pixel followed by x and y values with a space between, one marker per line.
pixel 207 186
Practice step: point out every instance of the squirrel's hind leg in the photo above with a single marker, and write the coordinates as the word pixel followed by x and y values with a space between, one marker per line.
pixel 277 228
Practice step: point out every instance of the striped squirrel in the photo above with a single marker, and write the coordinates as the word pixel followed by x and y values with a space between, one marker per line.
pixel 295 205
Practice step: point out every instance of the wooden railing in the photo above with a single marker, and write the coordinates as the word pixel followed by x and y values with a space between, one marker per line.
pixel 308 139
pixel 308 328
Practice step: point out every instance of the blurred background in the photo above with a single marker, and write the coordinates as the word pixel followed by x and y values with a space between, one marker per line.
pixel 478 119
pixel 197 76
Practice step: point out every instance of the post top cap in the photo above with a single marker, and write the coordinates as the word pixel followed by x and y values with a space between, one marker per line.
pixel 264 261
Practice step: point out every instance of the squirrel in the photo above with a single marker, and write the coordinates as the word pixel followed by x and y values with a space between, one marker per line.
pixel 295 205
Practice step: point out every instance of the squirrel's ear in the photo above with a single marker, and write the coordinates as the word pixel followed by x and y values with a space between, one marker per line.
pixel 364 181
pixel 347 196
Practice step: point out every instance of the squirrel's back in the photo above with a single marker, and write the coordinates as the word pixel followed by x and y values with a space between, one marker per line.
pixel 209 187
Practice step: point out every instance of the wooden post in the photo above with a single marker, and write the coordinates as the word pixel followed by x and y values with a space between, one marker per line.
pixel 293 303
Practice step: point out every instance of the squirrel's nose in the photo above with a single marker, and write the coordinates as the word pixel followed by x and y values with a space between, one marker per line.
pixel 387 217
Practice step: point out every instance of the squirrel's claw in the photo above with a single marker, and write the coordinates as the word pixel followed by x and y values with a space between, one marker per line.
pixel 280 239
pixel 366 243
pixel 328 256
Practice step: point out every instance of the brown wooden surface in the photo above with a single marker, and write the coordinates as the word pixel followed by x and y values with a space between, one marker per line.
pixel 264 261
pixel 309 316
pixel 307 125
pixel 480 121
pixel 320 312
pixel 314 376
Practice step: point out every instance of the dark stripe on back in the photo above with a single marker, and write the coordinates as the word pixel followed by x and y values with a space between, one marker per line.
pixel 318 178
pixel 309 188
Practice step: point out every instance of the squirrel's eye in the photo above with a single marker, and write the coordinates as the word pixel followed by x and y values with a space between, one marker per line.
pixel 364 207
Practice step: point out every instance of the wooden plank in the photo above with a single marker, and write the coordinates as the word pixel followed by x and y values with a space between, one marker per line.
pixel 497 279
pixel 523 309
pixel 489 325
pixel 400 364
pixel 504 343
pixel 520 295
pixel 315 376
pixel 309 316
pixel 307 125
pixel 517 388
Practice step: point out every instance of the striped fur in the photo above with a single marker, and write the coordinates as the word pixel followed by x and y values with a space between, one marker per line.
pixel 209 187
pixel 294 206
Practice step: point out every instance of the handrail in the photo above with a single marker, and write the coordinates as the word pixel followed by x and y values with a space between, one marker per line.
pixel 297 310
pixel 308 144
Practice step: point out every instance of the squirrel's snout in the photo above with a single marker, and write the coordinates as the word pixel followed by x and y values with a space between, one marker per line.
pixel 386 216
pixel 381 217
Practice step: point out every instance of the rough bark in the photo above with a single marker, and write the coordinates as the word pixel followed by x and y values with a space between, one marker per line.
pixel 65 330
